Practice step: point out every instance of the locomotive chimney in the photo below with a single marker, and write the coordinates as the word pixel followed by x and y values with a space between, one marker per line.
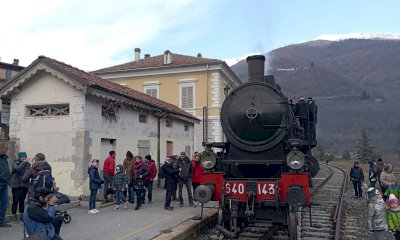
pixel 255 66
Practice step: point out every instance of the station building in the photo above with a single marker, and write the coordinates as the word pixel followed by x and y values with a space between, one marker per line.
pixel 73 117
pixel 186 81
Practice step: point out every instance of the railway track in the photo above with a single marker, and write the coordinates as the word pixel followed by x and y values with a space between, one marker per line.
pixel 327 199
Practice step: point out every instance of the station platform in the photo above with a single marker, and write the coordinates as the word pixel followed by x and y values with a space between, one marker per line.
pixel 149 222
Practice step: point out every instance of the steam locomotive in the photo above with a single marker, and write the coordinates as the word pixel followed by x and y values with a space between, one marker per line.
pixel 264 169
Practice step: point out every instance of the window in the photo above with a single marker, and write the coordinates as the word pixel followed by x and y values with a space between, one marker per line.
pixel 143 118
pixel 187 96
pixel 168 123
pixel 186 128
pixel 48 110
pixel 8 74
pixel 152 89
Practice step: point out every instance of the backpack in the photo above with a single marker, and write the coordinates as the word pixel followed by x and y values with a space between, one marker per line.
pixel 161 174
pixel 43 179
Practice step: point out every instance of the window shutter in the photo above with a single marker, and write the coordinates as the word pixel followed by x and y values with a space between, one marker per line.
pixel 187 97
pixel 152 92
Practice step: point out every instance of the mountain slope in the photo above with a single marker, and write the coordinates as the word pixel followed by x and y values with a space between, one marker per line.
pixel 337 73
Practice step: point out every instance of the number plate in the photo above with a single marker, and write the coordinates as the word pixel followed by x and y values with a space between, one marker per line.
pixel 266 190
pixel 236 190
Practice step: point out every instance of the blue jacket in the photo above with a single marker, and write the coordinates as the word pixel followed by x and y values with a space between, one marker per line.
pixel 356 174
pixel 37 219
pixel 5 174
pixel 95 180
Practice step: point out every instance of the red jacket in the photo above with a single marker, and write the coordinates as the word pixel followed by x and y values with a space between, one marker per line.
pixel 153 170
pixel 109 166
pixel 197 169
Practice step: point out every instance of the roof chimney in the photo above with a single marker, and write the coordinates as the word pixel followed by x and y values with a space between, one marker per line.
pixel 167 57
pixel 147 55
pixel 199 55
pixel 16 62
pixel 137 54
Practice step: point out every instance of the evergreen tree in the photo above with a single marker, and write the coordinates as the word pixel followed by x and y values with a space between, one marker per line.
pixel 364 149
pixel 346 155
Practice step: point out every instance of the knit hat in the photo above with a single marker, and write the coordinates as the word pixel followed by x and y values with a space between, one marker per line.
pixel 22 155
pixel 371 192
pixel 392 199
pixel 129 154
pixel 148 157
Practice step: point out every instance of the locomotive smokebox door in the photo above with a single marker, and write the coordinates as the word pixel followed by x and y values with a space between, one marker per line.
pixel 295 196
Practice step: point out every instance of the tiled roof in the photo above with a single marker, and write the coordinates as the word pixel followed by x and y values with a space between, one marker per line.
pixel 92 80
pixel 158 62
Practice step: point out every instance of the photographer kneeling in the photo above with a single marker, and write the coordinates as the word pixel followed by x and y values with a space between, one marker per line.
pixel 39 221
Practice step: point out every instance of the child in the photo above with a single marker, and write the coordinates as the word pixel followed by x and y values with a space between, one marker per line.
pixel 377 214
pixel 120 182
pixel 95 185
pixel 393 216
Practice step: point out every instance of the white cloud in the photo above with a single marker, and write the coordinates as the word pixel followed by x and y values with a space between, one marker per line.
pixel 358 35
pixel 91 34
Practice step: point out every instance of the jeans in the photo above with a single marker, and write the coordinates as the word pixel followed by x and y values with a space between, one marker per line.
pixel 168 195
pixel 108 183
pixel 92 199
pixel 131 194
pixel 149 186
pixel 120 198
pixel 19 195
pixel 57 222
pixel 188 184
pixel 357 188
pixel 3 203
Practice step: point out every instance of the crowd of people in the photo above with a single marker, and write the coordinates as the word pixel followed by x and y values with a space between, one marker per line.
pixel 122 182
pixel 383 198
pixel 135 178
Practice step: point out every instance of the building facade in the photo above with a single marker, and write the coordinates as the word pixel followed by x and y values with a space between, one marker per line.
pixel 188 82
pixel 73 117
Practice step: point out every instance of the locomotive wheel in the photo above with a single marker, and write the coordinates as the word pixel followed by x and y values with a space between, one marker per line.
pixel 292 223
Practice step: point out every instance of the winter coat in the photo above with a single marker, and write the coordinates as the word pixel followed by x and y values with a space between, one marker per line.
pixel 356 174
pixel 5 174
pixel 387 178
pixel 94 176
pixel 109 166
pixel 393 220
pixel 37 219
pixel 197 169
pixel 32 173
pixel 393 190
pixel 372 176
pixel 379 168
pixel 127 165
pixel 186 169
pixel 171 176
pixel 139 168
pixel 301 110
pixel 377 216
pixel 120 181
pixel 153 170
pixel 18 170
pixel 313 112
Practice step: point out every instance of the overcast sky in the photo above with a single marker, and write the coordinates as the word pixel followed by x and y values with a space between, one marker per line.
pixel 91 34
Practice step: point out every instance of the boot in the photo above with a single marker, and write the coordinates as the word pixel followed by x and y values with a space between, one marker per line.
pixel 137 207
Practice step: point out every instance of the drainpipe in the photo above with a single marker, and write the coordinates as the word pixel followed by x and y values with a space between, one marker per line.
pixel 159 115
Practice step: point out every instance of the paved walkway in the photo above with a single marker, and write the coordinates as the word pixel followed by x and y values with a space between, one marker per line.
pixel 146 223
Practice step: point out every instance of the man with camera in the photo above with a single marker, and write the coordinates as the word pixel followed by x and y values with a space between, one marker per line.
pixel 42 223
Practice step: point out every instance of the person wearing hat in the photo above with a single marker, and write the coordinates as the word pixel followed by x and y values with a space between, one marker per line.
pixel 377 219
pixel 393 215
pixel 128 163
pixel 357 177
pixel 18 187
pixel 313 110
pixel 301 111
pixel 94 185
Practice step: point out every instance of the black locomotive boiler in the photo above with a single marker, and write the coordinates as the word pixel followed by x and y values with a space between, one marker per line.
pixel 264 169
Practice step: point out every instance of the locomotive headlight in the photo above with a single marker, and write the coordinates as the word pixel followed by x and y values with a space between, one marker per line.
pixel 208 159
pixel 295 160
